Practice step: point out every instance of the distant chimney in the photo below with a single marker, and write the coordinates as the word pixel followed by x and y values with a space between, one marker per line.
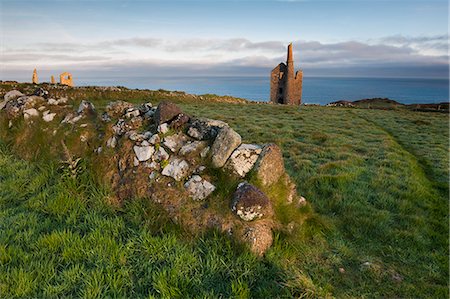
pixel 290 57
pixel 35 77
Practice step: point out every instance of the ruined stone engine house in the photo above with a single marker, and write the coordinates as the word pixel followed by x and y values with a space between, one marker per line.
pixel 285 83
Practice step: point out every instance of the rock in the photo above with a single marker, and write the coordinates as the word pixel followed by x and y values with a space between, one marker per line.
pixel 250 203
pixel 117 108
pixel 205 152
pixel 154 139
pixel 301 201
pixel 42 108
pixel 175 142
pixel 177 169
pixel 259 237
pixel 48 117
pixel 62 101
pixel 179 121
pixel 12 95
pixel 52 102
pixel 199 188
pixel 192 147
pixel 165 112
pixel 9 96
pixel 41 92
pixel 270 165
pixel 163 128
pixel 71 118
pixel 143 153
pixel 86 107
pixel 30 113
pixel 112 142
pixel 135 162
pixel 226 142
pixel 119 128
pixel 243 158
pixel 132 112
pixel 161 154
pixel 204 128
pixel 105 117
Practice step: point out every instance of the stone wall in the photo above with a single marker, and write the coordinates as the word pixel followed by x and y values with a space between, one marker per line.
pixel 184 163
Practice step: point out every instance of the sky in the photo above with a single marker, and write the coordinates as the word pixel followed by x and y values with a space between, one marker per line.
pixel 109 38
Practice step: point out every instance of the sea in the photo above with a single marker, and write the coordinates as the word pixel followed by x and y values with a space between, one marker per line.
pixel 316 90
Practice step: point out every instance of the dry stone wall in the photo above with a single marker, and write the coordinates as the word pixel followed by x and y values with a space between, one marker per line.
pixel 176 160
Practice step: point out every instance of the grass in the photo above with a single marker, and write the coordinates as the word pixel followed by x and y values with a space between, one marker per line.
pixel 377 180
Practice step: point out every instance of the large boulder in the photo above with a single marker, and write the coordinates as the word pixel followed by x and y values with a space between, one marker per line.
pixel 243 158
pixel 270 165
pixel 166 112
pixel 198 187
pixel 250 203
pixel 12 95
pixel 205 128
pixel 227 140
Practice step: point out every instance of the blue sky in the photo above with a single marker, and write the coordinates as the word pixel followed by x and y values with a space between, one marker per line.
pixel 396 38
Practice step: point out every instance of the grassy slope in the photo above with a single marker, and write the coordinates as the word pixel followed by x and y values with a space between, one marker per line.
pixel 378 178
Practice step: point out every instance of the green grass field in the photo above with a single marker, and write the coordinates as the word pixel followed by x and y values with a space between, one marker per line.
pixel 377 181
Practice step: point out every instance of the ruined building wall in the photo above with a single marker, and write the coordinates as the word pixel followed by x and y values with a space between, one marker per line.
pixel 277 84
pixel 285 83
pixel 66 79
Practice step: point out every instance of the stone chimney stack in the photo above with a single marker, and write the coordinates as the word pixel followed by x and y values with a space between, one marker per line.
pixel 290 57
pixel 290 78
pixel 35 77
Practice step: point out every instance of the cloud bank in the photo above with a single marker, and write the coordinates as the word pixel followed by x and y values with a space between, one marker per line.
pixel 391 56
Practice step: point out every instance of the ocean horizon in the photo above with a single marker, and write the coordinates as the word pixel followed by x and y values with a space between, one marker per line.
pixel 316 90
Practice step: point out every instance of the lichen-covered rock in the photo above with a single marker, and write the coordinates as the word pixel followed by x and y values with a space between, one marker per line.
pixel 165 112
pixel 160 154
pixel 192 147
pixel 250 203
pixel 227 140
pixel 179 122
pixel 117 108
pixel 175 142
pixel 132 112
pixel 86 107
pixel 199 188
pixel 112 142
pixel 270 165
pixel 243 158
pixel 41 92
pixel 143 153
pixel 71 118
pixel 163 128
pixel 9 96
pixel 205 128
pixel 47 116
pixel 28 113
pixel 12 95
pixel 258 236
pixel 177 169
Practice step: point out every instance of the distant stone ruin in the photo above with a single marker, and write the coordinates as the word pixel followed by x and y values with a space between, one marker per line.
pixel 66 79
pixel 34 79
pixel 52 80
pixel 285 86
pixel 197 169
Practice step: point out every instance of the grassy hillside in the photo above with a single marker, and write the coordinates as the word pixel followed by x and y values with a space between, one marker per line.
pixel 377 179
